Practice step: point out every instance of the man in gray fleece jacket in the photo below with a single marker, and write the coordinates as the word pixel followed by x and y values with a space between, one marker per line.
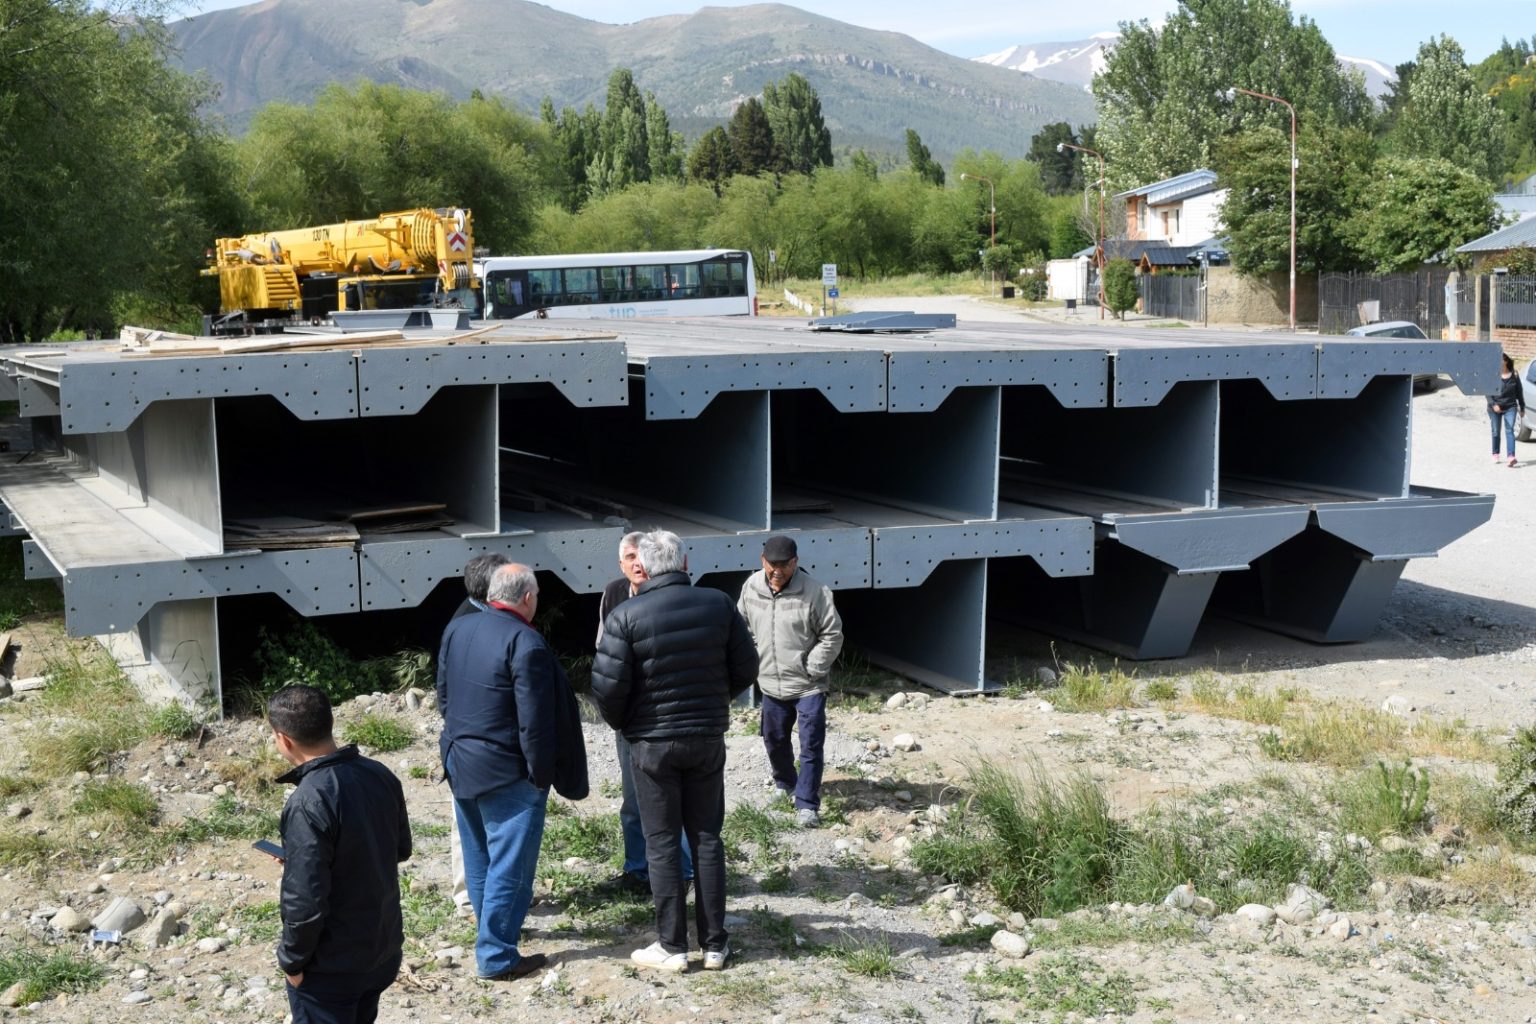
pixel 798 635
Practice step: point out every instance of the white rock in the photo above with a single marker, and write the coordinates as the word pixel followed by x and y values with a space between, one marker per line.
pixel 12 995
pixel 1341 929
pixel 163 928
pixel 1017 922
pixel 871 745
pixel 1203 906
pixel 1045 707
pixel 69 920
pixel 17 811
pixel 29 684
pixel 212 944
pixel 136 997
pixel 1258 913
pixel 1010 945
pixel 905 742
pixel 1182 897
pixel 550 980
pixel 903 796
pixel 1397 704
pixel 1393 844
pixel 122 915
pixel 986 920
pixel 897 700
pixel 957 917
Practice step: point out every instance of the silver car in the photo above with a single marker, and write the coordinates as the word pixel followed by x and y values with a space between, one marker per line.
pixel 1528 388
pixel 1398 329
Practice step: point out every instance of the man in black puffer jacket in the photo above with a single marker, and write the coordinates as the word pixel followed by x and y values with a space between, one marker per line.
pixel 671 659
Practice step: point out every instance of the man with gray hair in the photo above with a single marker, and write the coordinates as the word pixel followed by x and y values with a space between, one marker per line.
pixel 511 729
pixel 671 659
pixel 635 876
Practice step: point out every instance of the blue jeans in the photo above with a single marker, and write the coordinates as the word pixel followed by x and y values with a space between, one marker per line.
pixel 502 831
pixel 778 721
pixel 1507 417
pixel 629 821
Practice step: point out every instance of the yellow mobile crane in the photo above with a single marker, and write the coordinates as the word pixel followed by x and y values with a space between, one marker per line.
pixel 400 260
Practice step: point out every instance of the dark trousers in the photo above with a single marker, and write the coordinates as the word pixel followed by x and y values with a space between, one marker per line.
pixel 778 722
pixel 680 783
pixel 341 998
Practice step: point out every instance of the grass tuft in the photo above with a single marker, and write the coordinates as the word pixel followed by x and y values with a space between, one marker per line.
pixel 46 974
pixel 869 956
pixel 1085 688
pixel 132 804
pixel 379 733
pixel 1064 984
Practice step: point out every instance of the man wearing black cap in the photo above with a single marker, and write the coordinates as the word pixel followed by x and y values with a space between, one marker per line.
pixel 798 635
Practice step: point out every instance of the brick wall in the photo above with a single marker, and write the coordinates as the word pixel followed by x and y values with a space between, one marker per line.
pixel 1519 343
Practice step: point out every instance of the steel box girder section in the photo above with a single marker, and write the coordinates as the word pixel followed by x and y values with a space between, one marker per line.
pixel 1344 368
pixel 681 387
pixel 934 633
pixel 919 381
pixel 36 398
pixel 400 574
pixel 107 396
pixel 400 381
pixel 839 558
pixel 1144 376
pixel 908 556
pixel 113 598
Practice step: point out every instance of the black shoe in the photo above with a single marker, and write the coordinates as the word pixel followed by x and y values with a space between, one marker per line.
pixel 631 883
pixel 524 967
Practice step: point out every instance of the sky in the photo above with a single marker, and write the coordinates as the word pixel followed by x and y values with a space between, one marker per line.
pixel 1388 31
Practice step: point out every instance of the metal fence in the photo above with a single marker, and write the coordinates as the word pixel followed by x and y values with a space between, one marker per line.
pixel 1418 296
pixel 1171 295
pixel 1517 299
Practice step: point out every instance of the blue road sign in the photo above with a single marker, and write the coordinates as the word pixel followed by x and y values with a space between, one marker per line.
pixel 831 293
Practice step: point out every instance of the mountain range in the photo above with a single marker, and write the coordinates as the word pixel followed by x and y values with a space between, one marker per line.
pixel 1075 63
pixel 873 84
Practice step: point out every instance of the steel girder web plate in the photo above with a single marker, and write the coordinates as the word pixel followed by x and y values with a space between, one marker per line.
pixel 1209 541
pixel 681 387
pixel 36 397
pixel 920 381
pixel 400 574
pixel 112 598
pixel 907 556
pixel 399 381
pixel 1414 527
pixel 107 396
pixel 1344 368
pixel 1144 376
pixel 934 633
pixel 839 558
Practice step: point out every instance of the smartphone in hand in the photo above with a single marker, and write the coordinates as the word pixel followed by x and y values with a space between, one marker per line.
pixel 269 848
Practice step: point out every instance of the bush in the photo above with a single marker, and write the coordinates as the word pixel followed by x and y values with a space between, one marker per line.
pixel 1120 287
pixel 1516 800
pixel 382 734
pixel 1385 800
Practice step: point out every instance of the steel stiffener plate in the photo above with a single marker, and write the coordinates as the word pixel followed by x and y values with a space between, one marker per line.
pixel 920 381
pixel 107 396
pixel 112 598
pixel 1344 368
pixel 399 381
pixel 1145 376
pixel 681 387
pixel 906 556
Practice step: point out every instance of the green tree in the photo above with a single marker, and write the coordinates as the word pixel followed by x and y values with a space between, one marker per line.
pixel 665 145
pixel 576 144
pixel 1334 165
pixel 1413 210
pixel 751 137
pixel 1066 231
pixel 922 162
pixel 712 161
pixel 1159 112
pixel 111 184
pixel 623 152
pixel 1060 172
pixel 1447 115
pixel 1120 287
pixel 801 140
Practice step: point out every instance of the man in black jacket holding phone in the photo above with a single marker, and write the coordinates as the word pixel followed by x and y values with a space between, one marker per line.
pixel 344 833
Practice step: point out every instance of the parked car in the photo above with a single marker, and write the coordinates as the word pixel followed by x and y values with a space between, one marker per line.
pixel 1528 388
pixel 1398 329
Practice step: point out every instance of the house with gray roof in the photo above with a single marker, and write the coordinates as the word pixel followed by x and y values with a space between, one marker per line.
pixel 1489 248
pixel 1184 210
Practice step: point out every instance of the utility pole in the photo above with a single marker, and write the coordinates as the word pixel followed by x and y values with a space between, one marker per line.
pixel 1101 254
pixel 993 243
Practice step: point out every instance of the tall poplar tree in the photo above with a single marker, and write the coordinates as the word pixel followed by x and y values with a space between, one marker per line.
pixel 1446 115
pixel 801 140
pixel 751 138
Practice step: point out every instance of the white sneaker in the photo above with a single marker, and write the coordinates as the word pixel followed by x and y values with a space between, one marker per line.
pixel 807 817
pixel 714 959
pixel 655 956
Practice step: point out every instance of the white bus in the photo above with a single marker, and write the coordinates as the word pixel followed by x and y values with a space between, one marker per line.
pixel 618 285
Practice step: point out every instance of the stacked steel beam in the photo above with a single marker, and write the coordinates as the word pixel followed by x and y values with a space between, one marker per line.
pixel 1110 486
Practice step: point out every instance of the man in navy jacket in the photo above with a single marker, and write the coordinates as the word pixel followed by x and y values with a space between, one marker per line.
pixel 510 731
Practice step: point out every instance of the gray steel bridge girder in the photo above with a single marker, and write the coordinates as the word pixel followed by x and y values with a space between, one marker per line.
pixel 681 387
pixel 401 573
pixel 1144 377
pixel 107 396
pixel 840 558
pixel 1331 583
pixel 919 381
pixel 1344 368
pixel 907 556
pixel 36 398
pixel 400 381
pixel 114 598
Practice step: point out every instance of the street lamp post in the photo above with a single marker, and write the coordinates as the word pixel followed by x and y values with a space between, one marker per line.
pixel 993 190
pixel 1101 254
pixel 1232 95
